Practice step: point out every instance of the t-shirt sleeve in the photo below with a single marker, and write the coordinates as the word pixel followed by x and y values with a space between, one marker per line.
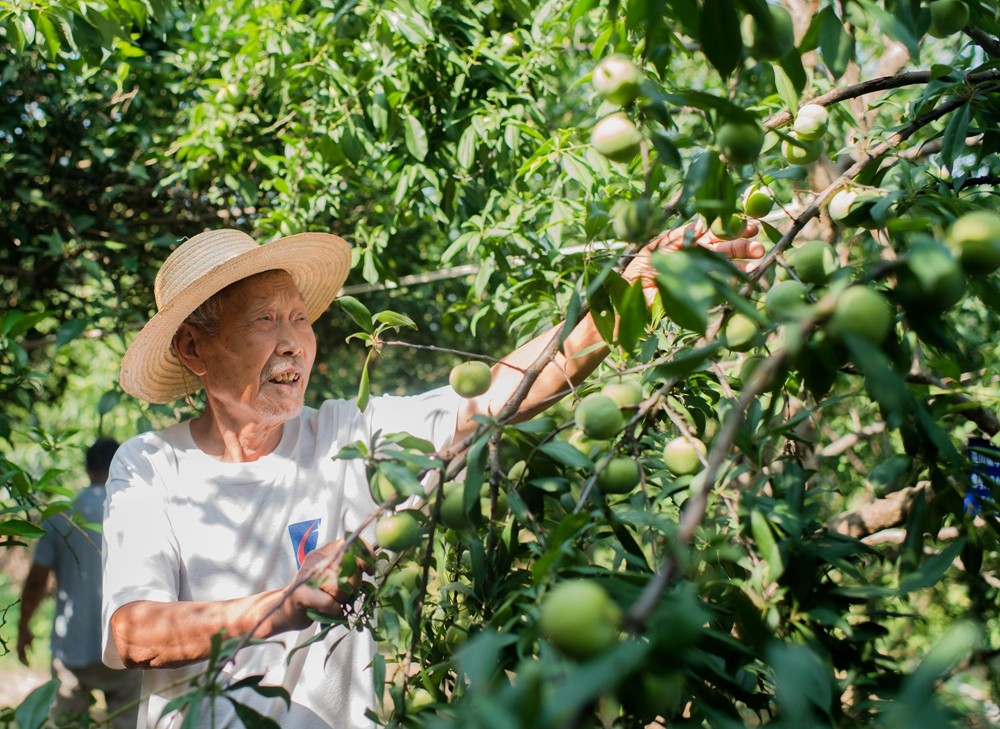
pixel 141 560
pixel 431 416
pixel 45 547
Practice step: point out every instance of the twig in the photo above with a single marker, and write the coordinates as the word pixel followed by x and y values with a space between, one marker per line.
pixel 694 511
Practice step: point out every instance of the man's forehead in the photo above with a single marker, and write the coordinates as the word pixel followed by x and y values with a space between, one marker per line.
pixel 262 287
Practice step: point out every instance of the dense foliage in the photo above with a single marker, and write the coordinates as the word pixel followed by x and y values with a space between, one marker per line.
pixel 819 563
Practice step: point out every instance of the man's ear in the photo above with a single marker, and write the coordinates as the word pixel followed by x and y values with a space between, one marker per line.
pixel 187 346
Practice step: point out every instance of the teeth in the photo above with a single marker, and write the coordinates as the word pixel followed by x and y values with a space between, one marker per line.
pixel 285 377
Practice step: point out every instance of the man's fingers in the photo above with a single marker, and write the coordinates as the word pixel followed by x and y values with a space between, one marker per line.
pixel 740 248
pixel 679 237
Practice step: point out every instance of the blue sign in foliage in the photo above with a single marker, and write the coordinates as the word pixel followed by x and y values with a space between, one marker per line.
pixel 984 475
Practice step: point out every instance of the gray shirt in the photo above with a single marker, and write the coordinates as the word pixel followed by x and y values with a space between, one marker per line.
pixel 74 555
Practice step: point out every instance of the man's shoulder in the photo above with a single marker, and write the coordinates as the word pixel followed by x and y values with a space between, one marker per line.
pixel 154 439
pixel 152 449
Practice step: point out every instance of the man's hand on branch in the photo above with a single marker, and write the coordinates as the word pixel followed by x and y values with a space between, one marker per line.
pixel 742 251
pixel 328 578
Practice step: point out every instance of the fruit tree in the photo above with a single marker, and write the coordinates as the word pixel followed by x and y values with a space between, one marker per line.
pixel 787 518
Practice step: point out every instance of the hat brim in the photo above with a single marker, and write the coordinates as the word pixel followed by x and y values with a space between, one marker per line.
pixel 318 263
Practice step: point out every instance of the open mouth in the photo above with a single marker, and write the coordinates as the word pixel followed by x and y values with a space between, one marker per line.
pixel 285 378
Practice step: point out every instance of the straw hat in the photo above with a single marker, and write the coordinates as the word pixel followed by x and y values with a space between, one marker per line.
pixel 201 267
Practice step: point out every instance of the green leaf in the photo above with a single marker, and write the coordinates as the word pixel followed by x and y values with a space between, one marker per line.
pixel 803 681
pixel 254 683
pixel 402 479
pixel 21 528
pixel 893 28
pixel 602 311
pixel 767 545
pixel 562 452
pixel 69 331
pixel 955 133
pixel 251 718
pixel 34 710
pixel 721 40
pixel 959 642
pixel 665 147
pixel 633 317
pixel 476 468
pixel 932 570
pixel 108 401
pixel 479 657
pixel 882 381
pixel 395 319
pixel 686 291
pixel 378 677
pixel 791 64
pixel 586 682
pixel 467 148
pixel 17 323
pixel 27 27
pixel 912 551
pixel 835 44
pixel 786 89
pixel 364 387
pixel 194 703
pixel 686 362
pixel 416 138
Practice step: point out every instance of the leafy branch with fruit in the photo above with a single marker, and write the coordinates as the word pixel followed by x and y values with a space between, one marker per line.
pixel 772 505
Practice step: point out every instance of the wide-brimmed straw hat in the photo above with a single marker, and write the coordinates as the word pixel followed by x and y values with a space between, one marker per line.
pixel 201 267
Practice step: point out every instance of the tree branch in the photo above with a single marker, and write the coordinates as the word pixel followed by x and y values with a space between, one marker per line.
pixel 884 83
pixel 984 40
pixel 879 514
pixel 986 420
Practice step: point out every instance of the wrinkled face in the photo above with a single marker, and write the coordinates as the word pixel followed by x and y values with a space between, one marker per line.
pixel 257 365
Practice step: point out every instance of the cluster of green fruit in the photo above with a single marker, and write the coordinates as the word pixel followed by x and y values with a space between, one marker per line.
pixel 767 37
pixel 931 275
pixel 580 618
pixel 601 416
pixel 929 278
pixel 619 81
pixel 805 143
pixel 741 139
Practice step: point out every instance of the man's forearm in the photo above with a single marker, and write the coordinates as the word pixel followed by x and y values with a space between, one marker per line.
pixel 35 586
pixel 581 352
pixel 152 634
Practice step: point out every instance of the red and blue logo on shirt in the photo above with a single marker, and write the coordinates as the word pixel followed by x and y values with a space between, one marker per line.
pixel 304 535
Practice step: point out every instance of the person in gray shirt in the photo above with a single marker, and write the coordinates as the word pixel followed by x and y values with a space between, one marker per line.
pixel 71 551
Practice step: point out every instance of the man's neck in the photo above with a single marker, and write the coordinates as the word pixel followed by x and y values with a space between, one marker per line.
pixel 235 443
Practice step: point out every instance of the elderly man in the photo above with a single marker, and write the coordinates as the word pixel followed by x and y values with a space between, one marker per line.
pixel 226 523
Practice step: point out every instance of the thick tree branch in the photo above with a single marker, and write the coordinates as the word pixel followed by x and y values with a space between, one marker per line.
pixel 986 420
pixel 884 83
pixel 879 514
pixel 984 40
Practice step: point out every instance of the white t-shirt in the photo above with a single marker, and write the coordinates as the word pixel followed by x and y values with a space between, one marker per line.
pixel 181 525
